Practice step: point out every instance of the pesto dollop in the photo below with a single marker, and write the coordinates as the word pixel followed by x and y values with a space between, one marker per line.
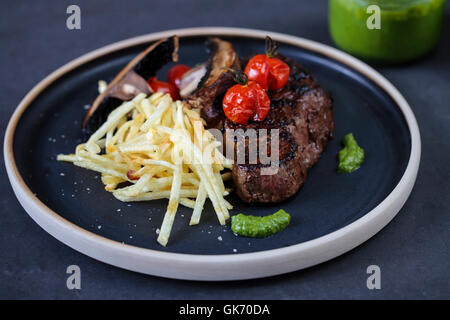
pixel 351 156
pixel 260 227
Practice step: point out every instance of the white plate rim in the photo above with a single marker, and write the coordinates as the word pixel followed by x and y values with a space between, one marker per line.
pixel 217 267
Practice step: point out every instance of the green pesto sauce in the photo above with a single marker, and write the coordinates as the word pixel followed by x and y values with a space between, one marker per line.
pixel 409 28
pixel 260 227
pixel 351 156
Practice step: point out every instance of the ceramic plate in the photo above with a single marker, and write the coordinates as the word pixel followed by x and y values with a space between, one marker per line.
pixel 331 214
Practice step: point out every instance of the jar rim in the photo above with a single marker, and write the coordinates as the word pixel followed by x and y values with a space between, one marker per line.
pixel 396 4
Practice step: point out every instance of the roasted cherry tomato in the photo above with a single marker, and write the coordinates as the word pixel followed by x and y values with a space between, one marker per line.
pixel 279 73
pixel 258 70
pixel 270 72
pixel 175 73
pixel 245 100
pixel 262 101
pixel 165 87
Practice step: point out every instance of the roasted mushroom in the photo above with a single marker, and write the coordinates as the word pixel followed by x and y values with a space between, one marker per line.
pixel 215 81
pixel 191 80
pixel 203 87
pixel 131 80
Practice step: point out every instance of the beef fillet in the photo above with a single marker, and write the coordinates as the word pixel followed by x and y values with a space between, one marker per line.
pixel 302 112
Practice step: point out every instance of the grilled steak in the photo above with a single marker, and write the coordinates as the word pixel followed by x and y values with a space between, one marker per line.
pixel 302 112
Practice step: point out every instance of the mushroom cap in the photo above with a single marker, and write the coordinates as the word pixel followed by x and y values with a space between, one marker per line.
pixel 132 80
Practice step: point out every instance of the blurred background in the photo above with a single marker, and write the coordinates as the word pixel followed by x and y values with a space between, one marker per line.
pixel 36 41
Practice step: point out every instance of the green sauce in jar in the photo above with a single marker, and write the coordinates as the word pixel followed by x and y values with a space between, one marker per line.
pixel 408 28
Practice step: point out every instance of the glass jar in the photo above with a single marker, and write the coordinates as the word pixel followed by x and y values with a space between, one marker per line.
pixel 400 31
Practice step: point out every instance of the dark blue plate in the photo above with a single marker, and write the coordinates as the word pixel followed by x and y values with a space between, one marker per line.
pixel 327 202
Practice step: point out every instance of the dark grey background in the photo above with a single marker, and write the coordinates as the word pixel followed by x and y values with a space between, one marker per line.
pixel 412 251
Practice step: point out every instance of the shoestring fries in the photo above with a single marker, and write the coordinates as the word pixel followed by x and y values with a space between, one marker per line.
pixel 160 149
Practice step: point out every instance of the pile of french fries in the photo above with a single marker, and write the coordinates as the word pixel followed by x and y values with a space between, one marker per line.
pixel 160 149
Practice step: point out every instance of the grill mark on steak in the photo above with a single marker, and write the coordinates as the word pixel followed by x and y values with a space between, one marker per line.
pixel 302 111
pixel 253 186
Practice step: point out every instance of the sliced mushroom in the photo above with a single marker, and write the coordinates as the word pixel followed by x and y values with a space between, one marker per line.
pixel 191 79
pixel 132 80
pixel 222 56
pixel 215 82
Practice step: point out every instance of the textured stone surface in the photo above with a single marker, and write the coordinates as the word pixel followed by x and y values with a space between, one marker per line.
pixel 412 251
